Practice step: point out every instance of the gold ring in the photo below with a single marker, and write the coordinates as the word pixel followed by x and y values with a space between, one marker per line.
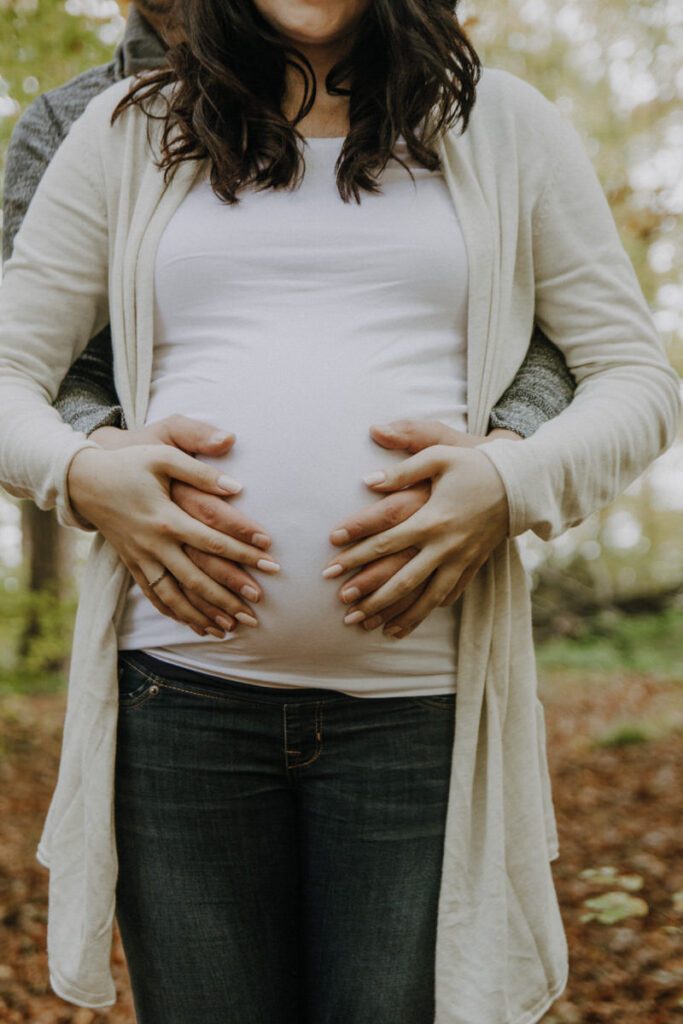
pixel 159 579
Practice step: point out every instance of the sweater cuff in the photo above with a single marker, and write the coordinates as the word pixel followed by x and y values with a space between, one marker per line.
pixel 86 416
pixel 523 418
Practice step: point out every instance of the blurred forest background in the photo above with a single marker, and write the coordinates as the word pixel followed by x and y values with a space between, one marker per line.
pixel 608 595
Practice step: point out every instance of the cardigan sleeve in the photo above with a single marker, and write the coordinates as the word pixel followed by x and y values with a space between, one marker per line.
pixel 53 299
pixel 87 398
pixel 588 301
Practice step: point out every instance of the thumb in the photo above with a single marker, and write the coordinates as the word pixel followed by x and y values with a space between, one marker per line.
pixel 414 435
pixel 421 466
pixel 180 466
pixel 195 435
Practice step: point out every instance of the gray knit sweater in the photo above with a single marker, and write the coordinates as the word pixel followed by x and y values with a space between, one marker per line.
pixel 87 398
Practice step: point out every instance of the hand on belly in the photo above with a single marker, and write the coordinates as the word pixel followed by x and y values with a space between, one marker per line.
pixel 401 614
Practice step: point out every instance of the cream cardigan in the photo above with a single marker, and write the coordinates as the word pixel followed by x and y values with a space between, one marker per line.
pixel 541 243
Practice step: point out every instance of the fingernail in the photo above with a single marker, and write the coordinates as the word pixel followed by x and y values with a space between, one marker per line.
pixel 373 622
pixel 356 616
pixel 249 593
pixel 332 570
pixel 226 483
pixel 341 537
pixel 225 623
pixel 374 478
pixel 350 594
pixel 260 540
pixel 220 633
pixel 267 565
pixel 394 631
pixel 198 630
pixel 219 438
pixel 249 620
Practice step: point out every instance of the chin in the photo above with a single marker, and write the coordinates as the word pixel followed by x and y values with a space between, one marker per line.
pixel 311 22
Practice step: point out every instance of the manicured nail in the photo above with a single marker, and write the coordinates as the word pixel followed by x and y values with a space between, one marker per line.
pixel 267 565
pixel 373 622
pixel 341 537
pixel 396 631
pixel 375 478
pixel 356 616
pixel 220 633
pixel 249 593
pixel 350 594
pixel 260 540
pixel 226 483
pixel 332 570
pixel 219 438
pixel 249 620
pixel 225 623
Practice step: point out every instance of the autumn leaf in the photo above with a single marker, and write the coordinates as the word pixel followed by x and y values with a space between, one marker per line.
pixel 612 907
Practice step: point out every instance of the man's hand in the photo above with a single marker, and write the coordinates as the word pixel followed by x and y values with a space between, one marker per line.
pixel 196 437
pixel 411 436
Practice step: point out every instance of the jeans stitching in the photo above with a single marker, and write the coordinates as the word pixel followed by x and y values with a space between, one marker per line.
pixel 318 737
pixel 173 685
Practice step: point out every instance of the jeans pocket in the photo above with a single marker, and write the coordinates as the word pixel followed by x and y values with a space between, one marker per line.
pixel 135 685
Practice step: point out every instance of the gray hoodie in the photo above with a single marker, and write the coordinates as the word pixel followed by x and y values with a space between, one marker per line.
pixel 87 398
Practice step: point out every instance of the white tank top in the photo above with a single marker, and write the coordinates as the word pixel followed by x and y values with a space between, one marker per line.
pixel 297 320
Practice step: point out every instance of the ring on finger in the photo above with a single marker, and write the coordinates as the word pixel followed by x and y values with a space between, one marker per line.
pixel 160 577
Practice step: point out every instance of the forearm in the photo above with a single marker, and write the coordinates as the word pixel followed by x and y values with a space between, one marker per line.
pixel 581 460
pixel 86 399
pixel 53 299
pixel 542 388
pixel 627 405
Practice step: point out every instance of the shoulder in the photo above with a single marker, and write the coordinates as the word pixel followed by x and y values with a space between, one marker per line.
pixel 101 105
pixel 514 123
pixel 101 144
pixel 514 113
pixel 56 110
pixel 133 128
pixel 508 94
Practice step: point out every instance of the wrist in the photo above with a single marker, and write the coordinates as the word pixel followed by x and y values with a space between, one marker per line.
pixel 109 437
pixel 80 479
pixel 503 432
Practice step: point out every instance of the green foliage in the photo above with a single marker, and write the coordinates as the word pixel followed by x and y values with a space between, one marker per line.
pixel 624 735
pixel 645 643
pixel 41 46
pixel 50 622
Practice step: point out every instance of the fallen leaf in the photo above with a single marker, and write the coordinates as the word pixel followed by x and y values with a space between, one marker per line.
pixel 612 907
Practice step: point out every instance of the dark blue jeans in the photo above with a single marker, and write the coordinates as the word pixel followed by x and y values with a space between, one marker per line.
pixel 279 850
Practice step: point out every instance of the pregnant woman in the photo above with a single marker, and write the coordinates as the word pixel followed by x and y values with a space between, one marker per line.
pixel 289 820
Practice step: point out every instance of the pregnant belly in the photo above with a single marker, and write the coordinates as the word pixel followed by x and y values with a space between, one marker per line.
pixel 300 481
pixel 300 456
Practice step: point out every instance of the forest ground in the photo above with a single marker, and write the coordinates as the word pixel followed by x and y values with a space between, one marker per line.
pixel 614 746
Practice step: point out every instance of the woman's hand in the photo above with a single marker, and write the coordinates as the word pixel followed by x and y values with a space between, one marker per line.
pixel 412 436
pixel 197 437
pixel 454 548
pixel 125 494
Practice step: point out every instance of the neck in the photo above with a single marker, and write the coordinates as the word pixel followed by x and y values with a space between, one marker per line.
pixel 329 115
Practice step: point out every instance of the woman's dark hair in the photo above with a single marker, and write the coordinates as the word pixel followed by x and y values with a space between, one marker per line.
pixel 411 72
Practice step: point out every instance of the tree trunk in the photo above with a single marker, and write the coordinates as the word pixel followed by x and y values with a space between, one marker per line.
pixel 42 541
